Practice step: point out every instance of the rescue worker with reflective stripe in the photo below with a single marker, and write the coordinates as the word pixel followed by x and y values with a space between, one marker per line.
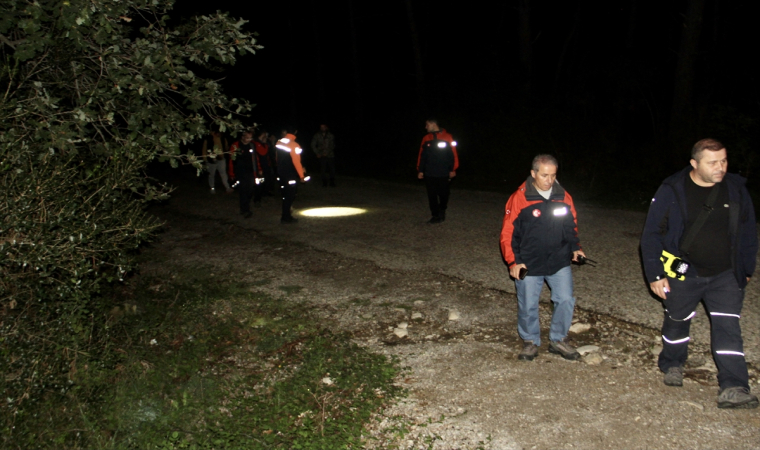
pixel 437 163
pixel 540 236
pixel 247 172
pixel 719 247
pixel 264 160
pixel 290 172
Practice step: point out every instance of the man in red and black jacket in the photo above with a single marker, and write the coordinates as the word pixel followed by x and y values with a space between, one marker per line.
pixel 540 238
pixel 437 163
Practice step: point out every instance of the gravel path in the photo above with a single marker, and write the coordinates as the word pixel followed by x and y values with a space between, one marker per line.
pixel 370 272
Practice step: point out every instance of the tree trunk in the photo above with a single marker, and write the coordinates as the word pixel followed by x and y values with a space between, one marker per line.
pixel 525 47
pixel 682 127
pixel 358 104
pixel 419 75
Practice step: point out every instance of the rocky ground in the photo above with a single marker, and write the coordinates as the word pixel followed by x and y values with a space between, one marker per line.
pixel 438 298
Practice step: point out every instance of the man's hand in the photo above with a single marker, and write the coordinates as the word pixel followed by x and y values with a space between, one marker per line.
pixel 420 175
pixel 576 253
pixel 660 288
pixel 452 174
pixel 514 271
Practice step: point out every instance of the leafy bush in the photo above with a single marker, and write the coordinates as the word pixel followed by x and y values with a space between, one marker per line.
pixel 92 92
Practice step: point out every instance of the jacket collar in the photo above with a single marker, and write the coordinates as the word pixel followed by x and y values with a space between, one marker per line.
pixel 531 193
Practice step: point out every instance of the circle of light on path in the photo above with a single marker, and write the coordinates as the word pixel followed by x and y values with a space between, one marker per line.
pixel 332 212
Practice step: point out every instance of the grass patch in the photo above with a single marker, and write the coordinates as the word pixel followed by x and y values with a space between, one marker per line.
pixel 290 290
pixel 203 363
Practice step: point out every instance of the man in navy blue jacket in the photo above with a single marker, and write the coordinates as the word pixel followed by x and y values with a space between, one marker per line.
pixel 691 256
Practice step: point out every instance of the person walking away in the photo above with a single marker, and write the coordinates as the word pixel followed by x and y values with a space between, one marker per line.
pixel 539 239
pixel 247 172
pixel 213 150
pixel 700 244
pixel 323 144
pixel 290 172
pixel 437 163
pixel 261 144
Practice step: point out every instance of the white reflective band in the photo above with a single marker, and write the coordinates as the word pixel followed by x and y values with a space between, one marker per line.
pixel 298 150
pixel 283 147
pixel 285 140
pixel 560 211
pixel 693 313
pixel 729 352
pixel 677 341
pixel 292 182
pixel 726 315
pixel 454 143
pixel 306 178
pixel 250 151
pixel 441 144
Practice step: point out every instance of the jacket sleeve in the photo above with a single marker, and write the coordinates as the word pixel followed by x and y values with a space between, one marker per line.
pixel 572 225
pixel 748 239
pixel 655 228
pixel 295 156
pixel 315 145
pixel 454 150
pixel 511 212
pixel 420 163
pixel 231 165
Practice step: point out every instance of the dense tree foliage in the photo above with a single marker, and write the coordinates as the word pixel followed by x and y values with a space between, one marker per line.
pixel 92 91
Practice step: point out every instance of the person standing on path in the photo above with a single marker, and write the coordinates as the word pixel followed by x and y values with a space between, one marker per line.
pixel 700 244
pixel 290 172
pixel 247 171
pixel 437 163
pixel 323 144
pixel 539 239
pixel 214 148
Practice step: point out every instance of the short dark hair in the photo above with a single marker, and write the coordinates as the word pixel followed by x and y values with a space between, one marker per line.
pixel 432 120
pixel 544 159
pixel 705 144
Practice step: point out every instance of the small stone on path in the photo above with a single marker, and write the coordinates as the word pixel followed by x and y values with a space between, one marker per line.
pixel 454 315
pixel 416 315
pixel 401 332
pixel 587 349
pixel 593 359
pixel 579 328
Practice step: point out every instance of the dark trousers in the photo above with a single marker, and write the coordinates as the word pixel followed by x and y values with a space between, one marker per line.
pixel 328 167
pixel 723 299
pixel 248 189
pixel 266 170
pixel 438 194
pixel 289 188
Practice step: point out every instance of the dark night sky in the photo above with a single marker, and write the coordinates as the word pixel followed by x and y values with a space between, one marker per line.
pixel 607 67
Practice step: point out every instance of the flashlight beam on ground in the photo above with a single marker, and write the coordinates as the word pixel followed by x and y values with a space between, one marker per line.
pixel 332 212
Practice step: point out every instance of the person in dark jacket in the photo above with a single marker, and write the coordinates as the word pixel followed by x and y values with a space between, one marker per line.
pixel 246 172
pixel 264 160
pixel 539 239
pixel 700 244
pixel 437 163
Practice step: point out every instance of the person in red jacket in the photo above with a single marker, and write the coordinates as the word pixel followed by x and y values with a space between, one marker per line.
pixel 437 164
pixel 539 239
pixel 290 172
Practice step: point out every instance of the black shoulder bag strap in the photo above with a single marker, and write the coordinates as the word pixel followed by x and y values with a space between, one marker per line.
pixel 707 208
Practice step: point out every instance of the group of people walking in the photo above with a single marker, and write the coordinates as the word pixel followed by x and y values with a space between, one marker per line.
pixel 699 244
pixel 256 159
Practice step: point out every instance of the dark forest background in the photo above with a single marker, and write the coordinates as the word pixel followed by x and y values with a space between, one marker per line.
pixel 617 90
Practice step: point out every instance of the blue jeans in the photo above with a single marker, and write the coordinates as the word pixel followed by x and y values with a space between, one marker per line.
pixel 528 292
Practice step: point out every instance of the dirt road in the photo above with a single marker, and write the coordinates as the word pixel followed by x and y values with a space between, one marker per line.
pixel 373 273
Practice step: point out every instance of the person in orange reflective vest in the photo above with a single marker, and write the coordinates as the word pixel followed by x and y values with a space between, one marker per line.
pixel 290 172
pixel 437 163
